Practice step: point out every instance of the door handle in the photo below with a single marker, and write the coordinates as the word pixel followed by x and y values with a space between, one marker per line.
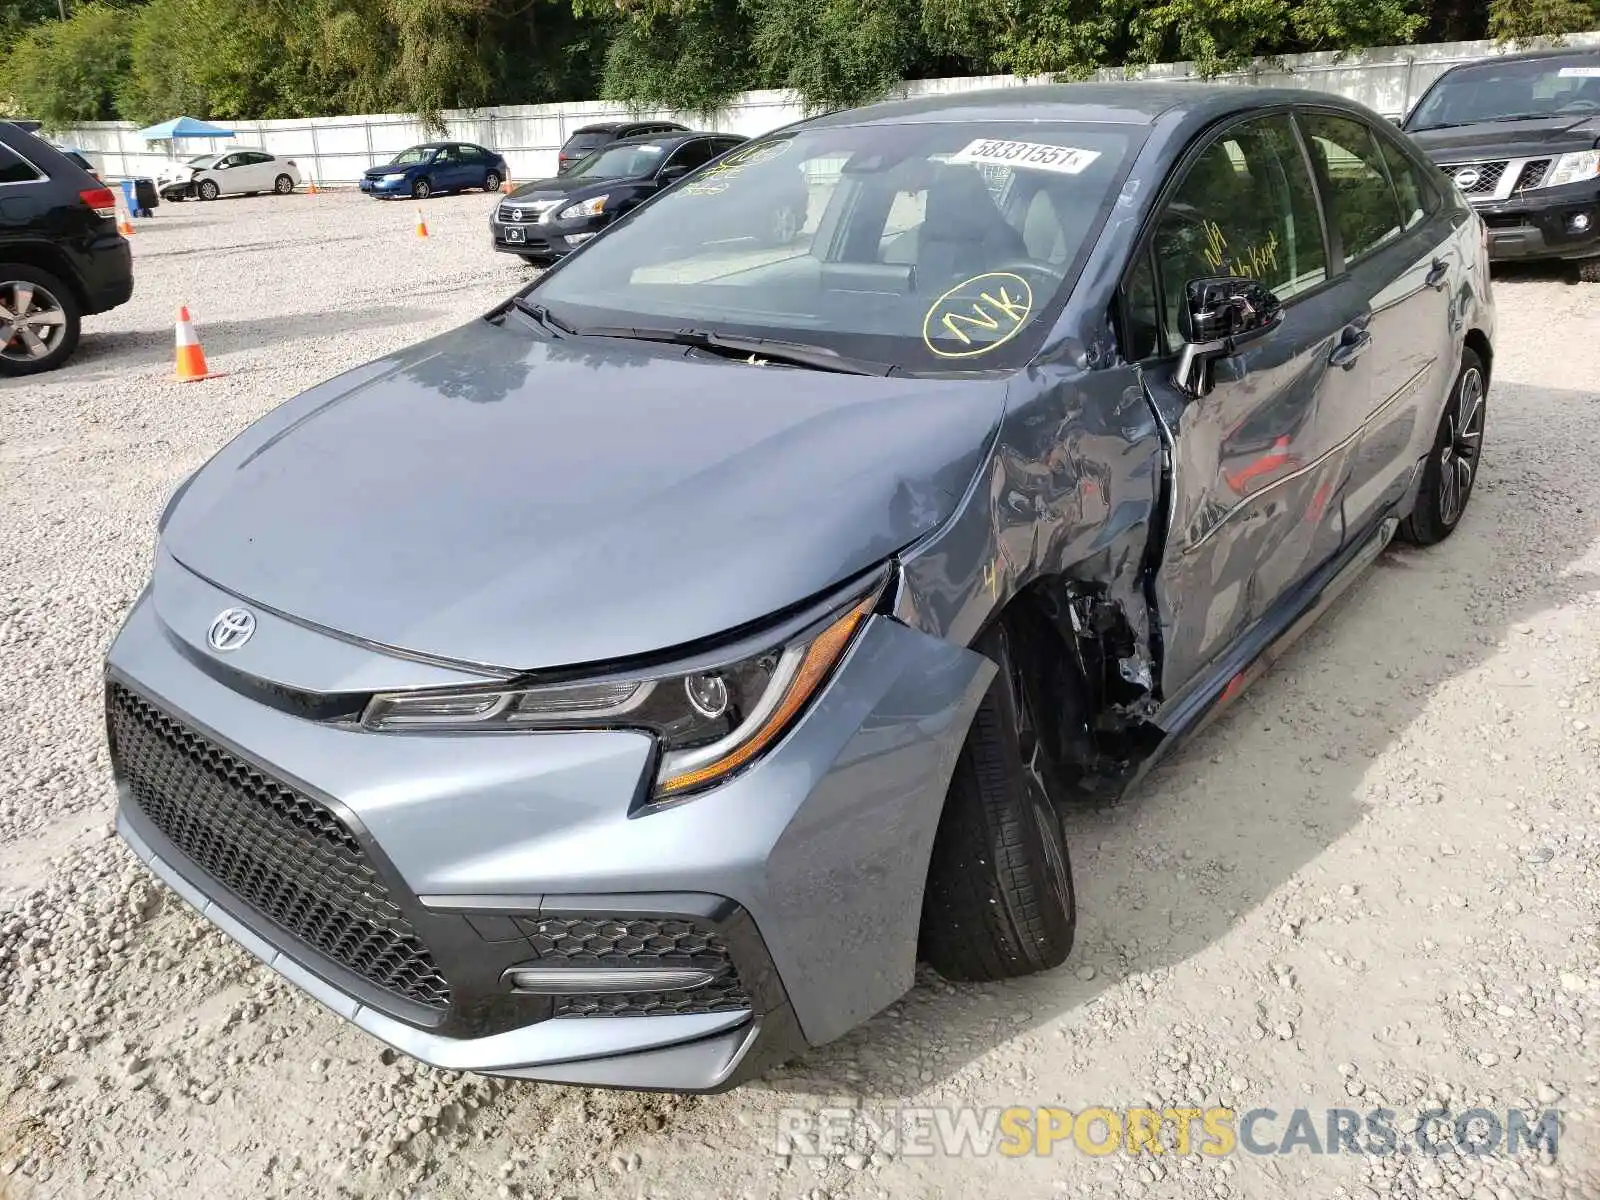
pixel 1352 345
pixel 1436 276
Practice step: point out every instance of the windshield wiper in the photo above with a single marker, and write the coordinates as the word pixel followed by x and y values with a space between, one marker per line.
pixel 794 354
pixel 542 316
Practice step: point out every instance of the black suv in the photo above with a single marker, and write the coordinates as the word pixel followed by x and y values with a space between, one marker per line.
pixel 589 138
pixel 60 254
pixel 1520 136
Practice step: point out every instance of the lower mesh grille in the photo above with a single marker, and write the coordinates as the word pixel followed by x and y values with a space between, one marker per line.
pixel 283 853
pixel 640 942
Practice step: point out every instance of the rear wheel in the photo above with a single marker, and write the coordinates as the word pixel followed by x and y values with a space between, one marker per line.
pixel 491 182
pixel 999 901
pixel 283 185
pixel 421 189
pixel 1452 466
pixel 39 320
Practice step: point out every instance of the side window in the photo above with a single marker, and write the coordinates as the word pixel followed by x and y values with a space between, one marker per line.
pixel 1246 208
pixel 1141 306
pixel 257 158
pixel 447 154
pixel 14 169
pixel 1362 204
pixel 1419 199
pixel 693 154
pixel 470 153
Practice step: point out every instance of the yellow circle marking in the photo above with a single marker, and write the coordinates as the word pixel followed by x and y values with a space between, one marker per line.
pixel 996 302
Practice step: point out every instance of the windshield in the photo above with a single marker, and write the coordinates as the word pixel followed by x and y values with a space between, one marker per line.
pixel 416 154
pixel 931 247
pixel 582 143
pixel 1510 91
pixel 203 160
pixel 619 162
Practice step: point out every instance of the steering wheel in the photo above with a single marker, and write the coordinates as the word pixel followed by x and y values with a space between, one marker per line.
pixel 1034 272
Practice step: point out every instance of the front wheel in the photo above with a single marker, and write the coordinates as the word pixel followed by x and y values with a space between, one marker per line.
pixel 421 190
pixel 1000 900
pixel 1452 466
pixel 39 320
pixel 283 185
pixel 491 182
pixel 209 189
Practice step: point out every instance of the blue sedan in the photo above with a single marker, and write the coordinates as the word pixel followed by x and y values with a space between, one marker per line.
pixel 421 171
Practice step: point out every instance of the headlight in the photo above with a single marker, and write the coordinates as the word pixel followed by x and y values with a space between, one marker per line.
pixel 591 207
pixel 710 721
pixel 394 177
pixel 1572 168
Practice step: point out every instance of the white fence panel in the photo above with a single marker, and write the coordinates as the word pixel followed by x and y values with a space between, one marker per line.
pixel 335 150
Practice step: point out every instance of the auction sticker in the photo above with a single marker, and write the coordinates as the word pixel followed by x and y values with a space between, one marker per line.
pixel 1579 72
pixel 978 315
pixel 1026 156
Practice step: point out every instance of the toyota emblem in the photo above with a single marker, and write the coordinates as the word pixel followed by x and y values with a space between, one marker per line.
pixel 1466 177
pixel 231 629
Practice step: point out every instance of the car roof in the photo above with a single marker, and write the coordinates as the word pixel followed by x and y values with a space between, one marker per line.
pixel 667 139
pixel 1131 103
pixel 1532 56
pixel 613 126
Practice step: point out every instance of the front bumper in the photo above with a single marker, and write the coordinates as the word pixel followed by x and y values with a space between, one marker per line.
pixel 543 240
pixel 1541 224
pixel 805 873
pixel 381 187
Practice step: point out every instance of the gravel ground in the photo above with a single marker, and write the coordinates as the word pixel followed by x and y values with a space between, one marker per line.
pixel 1374 883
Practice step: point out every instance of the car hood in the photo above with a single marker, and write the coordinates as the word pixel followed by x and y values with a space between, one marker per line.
pixel 563 187
pixel 380 172
pixel 1510 139
pixel 493 498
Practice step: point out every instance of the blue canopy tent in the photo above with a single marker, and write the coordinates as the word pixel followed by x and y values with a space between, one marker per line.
pixel 183 127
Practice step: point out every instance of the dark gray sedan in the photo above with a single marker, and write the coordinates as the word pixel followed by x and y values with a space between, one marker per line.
pixel 627 687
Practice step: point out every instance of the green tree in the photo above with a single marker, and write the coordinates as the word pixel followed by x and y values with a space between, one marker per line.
pixel 836 53
pixel 1521 21
pixel 62 72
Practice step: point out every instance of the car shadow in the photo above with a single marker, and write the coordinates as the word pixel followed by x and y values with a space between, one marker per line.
pixel 1219 828
pixel 113 355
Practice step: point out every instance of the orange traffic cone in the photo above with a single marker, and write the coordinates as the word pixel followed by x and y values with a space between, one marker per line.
pixel 422 226
pixel 508 187
pixel 191 359
pixel 124 226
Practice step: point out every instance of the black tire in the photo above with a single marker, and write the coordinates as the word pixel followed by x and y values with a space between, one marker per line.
pixel 491 181
pixel 1452 467
pixel 421 189
pixel 48 295
pixel 999 901
pixel 208 189
pixel 1589 270
pixel 283 185
pixel 535 260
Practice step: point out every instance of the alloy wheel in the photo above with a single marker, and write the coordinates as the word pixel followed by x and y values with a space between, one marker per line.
pixel 491 182
pixel 32 321
pixel 1458 457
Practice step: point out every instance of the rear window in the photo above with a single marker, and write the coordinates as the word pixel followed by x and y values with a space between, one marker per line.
pixel 582 143
pixel 13 169
pixel 937 248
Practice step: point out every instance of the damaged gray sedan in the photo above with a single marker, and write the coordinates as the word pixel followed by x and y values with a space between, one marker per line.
pixel 628 687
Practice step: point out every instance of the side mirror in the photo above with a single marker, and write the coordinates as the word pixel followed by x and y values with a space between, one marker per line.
pixel 673 173
pixel 1220 316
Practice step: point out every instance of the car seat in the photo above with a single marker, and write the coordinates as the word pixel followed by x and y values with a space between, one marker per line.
pixel 962 232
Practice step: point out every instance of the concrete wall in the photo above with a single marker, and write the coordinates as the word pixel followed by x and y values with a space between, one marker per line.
pixel 335 150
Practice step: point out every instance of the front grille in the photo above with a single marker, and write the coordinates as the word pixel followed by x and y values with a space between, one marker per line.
pixel 638 942
pixel 1533 174
pixel 286 855
pixel 1488 176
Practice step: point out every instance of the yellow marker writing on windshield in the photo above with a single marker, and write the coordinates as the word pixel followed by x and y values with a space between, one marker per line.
pixel 978 314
